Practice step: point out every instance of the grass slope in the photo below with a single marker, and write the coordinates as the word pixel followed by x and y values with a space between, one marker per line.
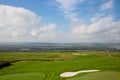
pixel 109 75
pixel 50 65
pixel 24 76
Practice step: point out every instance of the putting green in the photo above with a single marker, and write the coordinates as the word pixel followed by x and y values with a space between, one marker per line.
pixel 109 75
pixel 24 76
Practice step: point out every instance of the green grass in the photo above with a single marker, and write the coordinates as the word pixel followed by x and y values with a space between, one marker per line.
pixel 24 76
pixel 99 76
pixel 11 56
pixel 51 64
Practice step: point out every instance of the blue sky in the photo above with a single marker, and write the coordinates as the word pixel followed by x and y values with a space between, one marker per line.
pixel 60 21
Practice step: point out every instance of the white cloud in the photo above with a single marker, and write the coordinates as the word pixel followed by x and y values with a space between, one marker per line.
pixel 20 24
pixel 68 7
pixel 47 32
pixel 81 29
pixel 48 28
pixel 102 30
pixel 115 28
pixel 17 21
pixel 98 29
pixel 107 5
pixel 102 25
pixel 34 32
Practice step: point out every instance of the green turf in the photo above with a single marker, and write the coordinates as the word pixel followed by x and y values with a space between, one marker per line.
pixel 51 64
pixel 99 76
pixel 24 76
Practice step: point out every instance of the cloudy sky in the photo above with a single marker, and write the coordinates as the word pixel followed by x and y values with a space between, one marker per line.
pixel 60 21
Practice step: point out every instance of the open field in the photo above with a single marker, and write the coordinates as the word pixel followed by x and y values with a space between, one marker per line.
pixel 49 65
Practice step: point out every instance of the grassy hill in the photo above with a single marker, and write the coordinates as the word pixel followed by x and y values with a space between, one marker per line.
pixel 49 65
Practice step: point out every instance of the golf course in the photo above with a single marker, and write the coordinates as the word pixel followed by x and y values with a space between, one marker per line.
pixel 87 65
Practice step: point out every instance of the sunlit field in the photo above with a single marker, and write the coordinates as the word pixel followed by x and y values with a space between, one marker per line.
pixel 49 65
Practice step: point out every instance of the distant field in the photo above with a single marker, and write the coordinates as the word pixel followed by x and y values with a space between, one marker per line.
pixel 49 65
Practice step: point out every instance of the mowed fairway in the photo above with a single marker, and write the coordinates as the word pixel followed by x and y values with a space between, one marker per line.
pixel 24 76
pixel 99 76
pixel 49 65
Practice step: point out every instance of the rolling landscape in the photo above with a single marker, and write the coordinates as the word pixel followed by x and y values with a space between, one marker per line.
pixel 47 61
pixel 37 46
pixel 59 39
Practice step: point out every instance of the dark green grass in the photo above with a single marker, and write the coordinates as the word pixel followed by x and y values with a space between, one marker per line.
pixel 60 62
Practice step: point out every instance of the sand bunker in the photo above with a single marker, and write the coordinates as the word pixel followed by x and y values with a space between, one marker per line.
pixel 70 74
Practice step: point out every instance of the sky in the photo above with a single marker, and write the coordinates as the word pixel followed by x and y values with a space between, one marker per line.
pixel 61 21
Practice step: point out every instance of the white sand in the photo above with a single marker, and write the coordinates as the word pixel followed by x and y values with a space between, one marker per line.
pixel 70 74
